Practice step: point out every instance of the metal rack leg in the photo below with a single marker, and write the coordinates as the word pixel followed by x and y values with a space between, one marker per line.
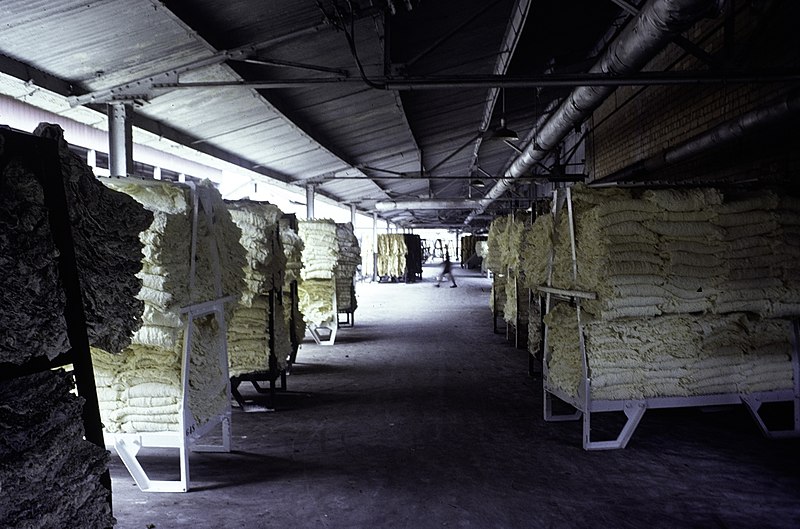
pixel 549 416
pixel 634 411
pixel 753 404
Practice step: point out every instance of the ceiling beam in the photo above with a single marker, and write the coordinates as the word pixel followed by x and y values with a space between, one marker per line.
pixel 266 61
pixel 391 205
pixel 591 79
pixel 141 85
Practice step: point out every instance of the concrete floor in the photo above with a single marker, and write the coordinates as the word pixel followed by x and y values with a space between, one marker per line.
pixel 421 417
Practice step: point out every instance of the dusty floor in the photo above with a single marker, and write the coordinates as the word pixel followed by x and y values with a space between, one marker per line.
pixel 421 417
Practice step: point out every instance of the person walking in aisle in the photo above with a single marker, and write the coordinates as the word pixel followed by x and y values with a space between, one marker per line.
pixel 447 270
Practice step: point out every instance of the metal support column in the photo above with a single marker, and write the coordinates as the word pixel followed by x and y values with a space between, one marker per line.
pixel 353 215
pixel 310 201
pixel 374 246
pixel 120 139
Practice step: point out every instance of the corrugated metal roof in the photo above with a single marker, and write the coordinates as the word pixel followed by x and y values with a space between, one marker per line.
pixel 367 125
pixel 96 44
pixel 233 23
pixel 104 44
pixel 320 132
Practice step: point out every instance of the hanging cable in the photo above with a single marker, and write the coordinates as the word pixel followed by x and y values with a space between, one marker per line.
pixel 351 40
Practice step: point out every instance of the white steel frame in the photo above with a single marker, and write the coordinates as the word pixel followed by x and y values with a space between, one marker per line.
pixel 190 431
pixel 331 325
pixel 634 409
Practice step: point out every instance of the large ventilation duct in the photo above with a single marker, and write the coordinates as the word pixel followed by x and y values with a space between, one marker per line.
pixel 392 205
pixel 647 34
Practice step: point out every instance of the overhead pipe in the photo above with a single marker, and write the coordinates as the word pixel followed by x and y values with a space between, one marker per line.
pixel 392 205
pixel 647 34
pixel 723 134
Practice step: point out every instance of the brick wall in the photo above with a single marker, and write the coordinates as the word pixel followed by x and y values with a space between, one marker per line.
pixel 637 122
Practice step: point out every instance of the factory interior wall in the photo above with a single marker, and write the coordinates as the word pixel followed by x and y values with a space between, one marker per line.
pixel 637 122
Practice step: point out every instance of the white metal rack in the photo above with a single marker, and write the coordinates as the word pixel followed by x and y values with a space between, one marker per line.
pixel 583 402
pixel 325 332
pixel 349 311
pixel 518 329
pixel 497 280
pixel 127 445
pixel 273 372
pixel 191 430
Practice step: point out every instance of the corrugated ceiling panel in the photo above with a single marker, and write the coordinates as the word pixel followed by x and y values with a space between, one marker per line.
pixel 446 122
pixel 353 191
pixel 233 23
pixel 372 130
pixel 411 188
pixel 107 43
pixel 97 44
pixel 334 126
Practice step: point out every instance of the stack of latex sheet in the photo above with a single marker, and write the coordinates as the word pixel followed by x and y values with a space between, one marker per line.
pixel 49 474
pixel 654 257
pixel 293 250
pixel 534 255
pixel 516 300
pixel 108 254
pixel 141 390
pixel 762 247
pixel 673 252
pixel 467 247
pixel 349 260
pixel 317 286
pixel 105 227
pixel 675 355
pixel 33 300
pixel 413 256
pixel 535 334
pixel 248 328
pixel 482 250
pixel 505 244
pixel 494 244
pixel 493 261
pixel 535 251
pixel 392 252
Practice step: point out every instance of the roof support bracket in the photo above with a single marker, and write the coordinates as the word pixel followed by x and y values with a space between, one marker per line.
pixel 134 92
pixel 170 77
pixel 265 61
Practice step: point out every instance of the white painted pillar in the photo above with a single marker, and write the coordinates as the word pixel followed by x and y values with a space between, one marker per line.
pixel 374 246
pixel 120 139
pixel 310 201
